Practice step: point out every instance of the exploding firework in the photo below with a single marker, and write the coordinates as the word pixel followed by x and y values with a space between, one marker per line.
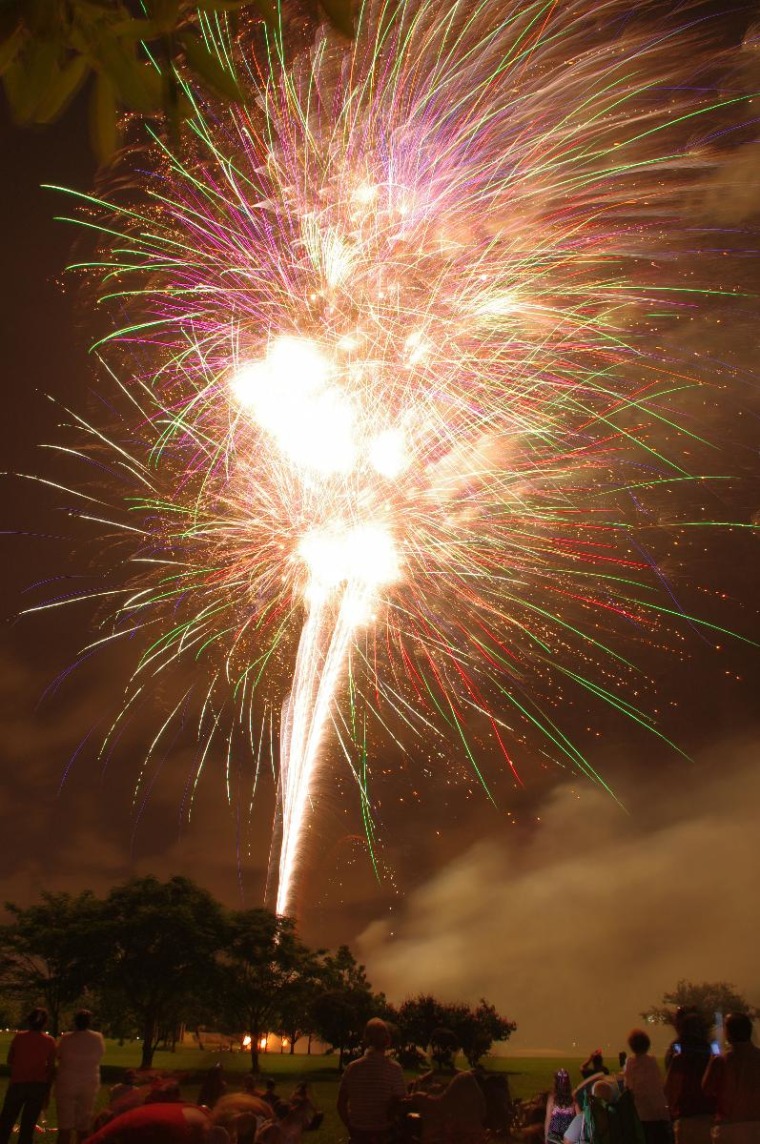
pixel 395 410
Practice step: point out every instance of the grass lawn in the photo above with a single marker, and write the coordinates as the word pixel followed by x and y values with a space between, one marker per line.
pixel 527 1075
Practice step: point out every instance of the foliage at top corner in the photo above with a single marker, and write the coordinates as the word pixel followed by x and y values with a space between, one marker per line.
pixel 130 55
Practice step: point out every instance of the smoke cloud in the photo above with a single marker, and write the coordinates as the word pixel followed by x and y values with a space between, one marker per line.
pixel 577 932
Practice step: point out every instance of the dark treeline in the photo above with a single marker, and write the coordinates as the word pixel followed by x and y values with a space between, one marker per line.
pixel 151 957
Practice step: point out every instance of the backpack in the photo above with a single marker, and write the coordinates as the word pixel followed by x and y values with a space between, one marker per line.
pixel 615 1123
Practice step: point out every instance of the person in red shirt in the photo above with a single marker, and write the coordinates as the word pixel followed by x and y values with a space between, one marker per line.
pixel 734 1080
pixel 31 1058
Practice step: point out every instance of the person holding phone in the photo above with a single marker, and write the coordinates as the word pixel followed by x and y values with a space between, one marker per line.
pixel 734 1081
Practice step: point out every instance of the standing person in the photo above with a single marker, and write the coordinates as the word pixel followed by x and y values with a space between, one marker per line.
pixel 31 1058
pixel 371 1089
pixel 594 1065
pixel 641 1075
pixel 691 1110
pixel 561 1108
pixel 213 1087
pixel 78 1078
pixel 734 1081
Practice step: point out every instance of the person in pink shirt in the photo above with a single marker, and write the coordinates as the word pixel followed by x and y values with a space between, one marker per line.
pixel 643 1079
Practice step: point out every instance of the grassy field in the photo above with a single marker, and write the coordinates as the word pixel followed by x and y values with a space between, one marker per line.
pixel 527 1075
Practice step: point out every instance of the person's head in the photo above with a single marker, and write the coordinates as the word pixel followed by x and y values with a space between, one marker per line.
pixel 563 1092
pixel 603 1090
pixel 597 1060
pixel 376 1034
pixel 239 1113
pixel 200 1129
pixel 166 1092
pixel 82 1019
pixel 638 1042
pixel 36 1020
pixel 300 1110
pixel 691 1023
pixel 738 1028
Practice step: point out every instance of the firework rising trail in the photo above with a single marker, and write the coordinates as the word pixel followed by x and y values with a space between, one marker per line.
pixel 392 381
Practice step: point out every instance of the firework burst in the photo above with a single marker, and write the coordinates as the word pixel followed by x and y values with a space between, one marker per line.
pixel 392 386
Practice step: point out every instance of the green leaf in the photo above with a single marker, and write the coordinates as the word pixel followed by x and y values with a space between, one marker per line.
pixel 13 76
pixel 27 78
pixel 136 84
pixel 10 15
pixel 165 13
pixel 9 47
pixel 269 11
pixel 133 30
pixel 208 69
pixel 44 18
pixel 104 132
pixel 65 83
pixel 340 15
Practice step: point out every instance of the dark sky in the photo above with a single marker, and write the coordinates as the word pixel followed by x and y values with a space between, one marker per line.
pixel 558 903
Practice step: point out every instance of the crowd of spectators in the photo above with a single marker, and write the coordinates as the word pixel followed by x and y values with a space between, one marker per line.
pixel 703 1097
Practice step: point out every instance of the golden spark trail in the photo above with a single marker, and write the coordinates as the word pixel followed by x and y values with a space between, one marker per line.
pixel 317 676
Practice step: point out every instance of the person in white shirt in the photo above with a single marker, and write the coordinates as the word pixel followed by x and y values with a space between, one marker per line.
pixel 642 1078
pixel 77 1080
pixel 371 1089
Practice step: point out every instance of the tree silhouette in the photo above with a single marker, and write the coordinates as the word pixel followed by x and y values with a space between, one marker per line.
pixel 50 50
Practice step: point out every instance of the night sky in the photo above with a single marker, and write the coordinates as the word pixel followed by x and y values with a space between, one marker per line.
pixel 570 910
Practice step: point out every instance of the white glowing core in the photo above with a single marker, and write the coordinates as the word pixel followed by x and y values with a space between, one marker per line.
pixel 290 396
pixel 362 554
pixel 387 453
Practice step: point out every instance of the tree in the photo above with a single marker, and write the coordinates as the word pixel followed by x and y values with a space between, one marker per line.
pixel 339 1017
pixel 264 963
pixel 419 1018
pixel 294 1017
pixel 445 1028
pixel 343 1009
pixel 53 953
pixel 164 939
pixel 704 998
pixel 51 49
pixel 343 971
pixel 476 1030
